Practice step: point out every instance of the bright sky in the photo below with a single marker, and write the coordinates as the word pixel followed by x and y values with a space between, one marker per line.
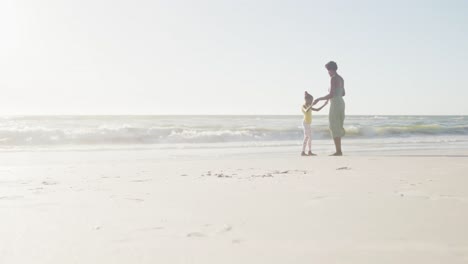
pixel 231 57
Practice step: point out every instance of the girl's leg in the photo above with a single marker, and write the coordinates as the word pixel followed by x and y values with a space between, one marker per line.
pixel 307 137
pixel 304 144
pixel 309 142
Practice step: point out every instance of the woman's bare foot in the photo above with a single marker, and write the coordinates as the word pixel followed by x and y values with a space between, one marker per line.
pixel 337 154
pixel 311 154
pixel 303 153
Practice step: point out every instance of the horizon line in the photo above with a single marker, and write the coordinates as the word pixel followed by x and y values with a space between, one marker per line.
pixel 193 115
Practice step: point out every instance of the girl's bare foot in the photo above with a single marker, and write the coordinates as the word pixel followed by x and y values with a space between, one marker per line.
pixel 311 154
pixel 337 154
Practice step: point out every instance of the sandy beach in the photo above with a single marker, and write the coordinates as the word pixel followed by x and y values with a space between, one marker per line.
pixel 185 132
pixel 180 132
pixel 135 207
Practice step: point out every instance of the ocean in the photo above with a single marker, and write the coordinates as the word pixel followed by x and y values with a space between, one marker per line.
pixel 363 133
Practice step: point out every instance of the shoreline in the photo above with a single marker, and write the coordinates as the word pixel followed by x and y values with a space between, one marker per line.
pixel 194 152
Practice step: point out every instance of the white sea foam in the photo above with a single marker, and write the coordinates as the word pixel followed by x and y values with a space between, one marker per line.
pixel 167 130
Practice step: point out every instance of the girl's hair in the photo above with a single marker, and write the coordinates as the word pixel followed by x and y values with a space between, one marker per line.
pixel 331 66
pixel 307 96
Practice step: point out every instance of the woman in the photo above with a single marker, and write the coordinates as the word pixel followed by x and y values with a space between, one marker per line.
pixel 337 107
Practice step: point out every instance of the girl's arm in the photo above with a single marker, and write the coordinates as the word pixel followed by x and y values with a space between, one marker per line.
pixel 320 108
pixel 306 108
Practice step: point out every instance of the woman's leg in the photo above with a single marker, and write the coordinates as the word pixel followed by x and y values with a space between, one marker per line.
pixel 337 141
pixel 336 119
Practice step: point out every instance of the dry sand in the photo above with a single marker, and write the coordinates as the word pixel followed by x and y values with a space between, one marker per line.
pixel 129 207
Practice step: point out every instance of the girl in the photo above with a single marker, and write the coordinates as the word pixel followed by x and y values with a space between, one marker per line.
pixel 307 111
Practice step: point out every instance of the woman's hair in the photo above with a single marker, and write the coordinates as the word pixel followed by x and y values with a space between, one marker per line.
pixel 331 66
pixel 308 96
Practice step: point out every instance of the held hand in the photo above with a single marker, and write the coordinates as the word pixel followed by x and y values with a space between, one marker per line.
pixel 316 101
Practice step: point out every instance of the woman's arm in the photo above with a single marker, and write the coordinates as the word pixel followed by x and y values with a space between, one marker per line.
pixel 344 92
pixel 320 108
pixel 333 85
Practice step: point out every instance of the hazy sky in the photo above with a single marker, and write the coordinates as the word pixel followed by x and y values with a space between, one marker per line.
pixel 231 57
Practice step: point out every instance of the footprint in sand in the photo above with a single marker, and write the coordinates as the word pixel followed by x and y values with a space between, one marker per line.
pixel 222 175
pixel 294 172
pixel 157 228
pixel 195 234
pixel 135 199
pixel 414 194
pixel 262 175
pixel 49 183
pixel 319 197
pixel 344 168
pixel 141 180
pixel 211 230
pixel 315 200
pixel 225 229
pixel 255 173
